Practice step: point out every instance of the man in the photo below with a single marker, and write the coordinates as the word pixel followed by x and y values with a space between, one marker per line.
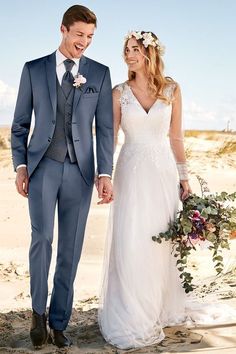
pixel 57 167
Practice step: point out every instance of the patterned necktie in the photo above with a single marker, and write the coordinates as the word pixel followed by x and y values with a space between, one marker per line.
pixel 67 79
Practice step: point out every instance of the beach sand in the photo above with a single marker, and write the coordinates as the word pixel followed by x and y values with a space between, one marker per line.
pixel 207 159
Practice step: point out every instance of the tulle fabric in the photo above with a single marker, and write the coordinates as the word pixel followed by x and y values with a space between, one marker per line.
pixel 141 291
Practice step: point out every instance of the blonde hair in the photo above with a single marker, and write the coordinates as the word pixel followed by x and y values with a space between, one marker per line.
pixel 154 66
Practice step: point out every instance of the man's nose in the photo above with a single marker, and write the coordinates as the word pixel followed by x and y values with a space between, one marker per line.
pixel 84 41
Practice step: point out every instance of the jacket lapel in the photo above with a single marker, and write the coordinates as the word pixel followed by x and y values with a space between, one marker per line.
pixel 51 77
pixel 83 70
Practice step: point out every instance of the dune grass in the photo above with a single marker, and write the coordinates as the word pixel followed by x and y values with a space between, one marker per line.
pixel 228 147
pixel 3 143
pixel 208 134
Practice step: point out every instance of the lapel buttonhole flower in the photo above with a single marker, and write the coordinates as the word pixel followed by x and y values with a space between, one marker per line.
pixel 79 80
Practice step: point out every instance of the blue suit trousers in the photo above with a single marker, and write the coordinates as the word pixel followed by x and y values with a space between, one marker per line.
pixel 56 183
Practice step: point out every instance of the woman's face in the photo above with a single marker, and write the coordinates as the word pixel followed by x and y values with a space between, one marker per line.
pixel 134 56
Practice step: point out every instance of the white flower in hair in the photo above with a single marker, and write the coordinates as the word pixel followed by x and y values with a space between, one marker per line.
pixel 135 34
pixel 129 35
pixel 160 47
pixel 148 39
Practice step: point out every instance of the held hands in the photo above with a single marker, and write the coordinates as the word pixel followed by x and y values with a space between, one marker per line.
pixel 22 181
pixel 104 188
pixel 185 190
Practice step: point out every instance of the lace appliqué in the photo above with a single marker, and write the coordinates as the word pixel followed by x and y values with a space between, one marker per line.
pixel 169 91
pixel 125 98
pixel 133 156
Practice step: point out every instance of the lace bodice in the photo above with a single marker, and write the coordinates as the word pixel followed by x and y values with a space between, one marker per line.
pixel 139 125
pixel 158 126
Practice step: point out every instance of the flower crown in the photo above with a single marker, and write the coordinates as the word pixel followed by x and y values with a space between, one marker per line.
pixel 148 39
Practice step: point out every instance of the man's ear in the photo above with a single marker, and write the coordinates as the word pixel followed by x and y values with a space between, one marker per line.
pixel 63 29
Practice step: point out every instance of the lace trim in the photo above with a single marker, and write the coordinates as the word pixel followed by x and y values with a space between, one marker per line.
pixel 126 96
pixel 169 90
pixel 119 87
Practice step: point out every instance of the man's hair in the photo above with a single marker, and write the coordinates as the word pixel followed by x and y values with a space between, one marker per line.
pixel 78 13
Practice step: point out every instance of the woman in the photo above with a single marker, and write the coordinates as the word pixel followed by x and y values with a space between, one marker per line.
pixel 142 292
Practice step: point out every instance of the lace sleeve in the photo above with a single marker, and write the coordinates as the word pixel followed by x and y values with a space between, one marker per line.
pixel 125 97
pixel 169 90
pixel 176 133
pixel 119 88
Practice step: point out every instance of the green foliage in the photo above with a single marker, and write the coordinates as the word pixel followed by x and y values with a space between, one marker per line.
pixel 206 221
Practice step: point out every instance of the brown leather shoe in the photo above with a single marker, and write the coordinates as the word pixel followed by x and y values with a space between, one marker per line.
pixel 59 339
pixel 38 330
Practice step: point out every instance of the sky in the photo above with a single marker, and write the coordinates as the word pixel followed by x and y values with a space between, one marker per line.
pixel 199 36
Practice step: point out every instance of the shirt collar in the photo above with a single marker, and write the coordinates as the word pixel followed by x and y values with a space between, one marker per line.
pixel 61 57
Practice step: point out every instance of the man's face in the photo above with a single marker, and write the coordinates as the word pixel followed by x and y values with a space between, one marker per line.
pixel 76 39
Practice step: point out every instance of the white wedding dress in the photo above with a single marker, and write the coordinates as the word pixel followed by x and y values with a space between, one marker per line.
pixel 141 291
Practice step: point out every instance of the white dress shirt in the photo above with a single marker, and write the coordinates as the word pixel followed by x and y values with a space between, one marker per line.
pixel 60 67
pixel 60 70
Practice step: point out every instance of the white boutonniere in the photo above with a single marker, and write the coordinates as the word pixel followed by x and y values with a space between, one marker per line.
pixel 79 80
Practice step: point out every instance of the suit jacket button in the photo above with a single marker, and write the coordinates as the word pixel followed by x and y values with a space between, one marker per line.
pixel 53 121
pixel 49 139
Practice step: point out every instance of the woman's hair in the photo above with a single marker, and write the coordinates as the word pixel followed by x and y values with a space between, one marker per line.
pixel 78 13
pixel 154 66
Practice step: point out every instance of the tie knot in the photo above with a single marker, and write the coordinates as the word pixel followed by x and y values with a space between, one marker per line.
pixel 68 64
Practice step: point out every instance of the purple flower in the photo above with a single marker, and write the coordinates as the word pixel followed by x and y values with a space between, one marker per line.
pixel 193 235
pixel 199 225
pixel 193 239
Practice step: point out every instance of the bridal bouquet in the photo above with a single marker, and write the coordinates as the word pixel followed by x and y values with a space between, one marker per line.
pixel 209 222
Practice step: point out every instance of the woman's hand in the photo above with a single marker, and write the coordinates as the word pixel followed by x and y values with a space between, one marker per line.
pixel 185 190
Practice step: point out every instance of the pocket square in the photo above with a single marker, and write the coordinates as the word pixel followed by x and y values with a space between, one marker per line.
pixel 91 90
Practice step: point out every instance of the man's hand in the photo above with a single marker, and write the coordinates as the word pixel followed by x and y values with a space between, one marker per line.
pixel 22 181
pixel 104 187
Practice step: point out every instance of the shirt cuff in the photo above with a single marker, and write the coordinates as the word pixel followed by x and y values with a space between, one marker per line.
pixel 104 175
pixel 22 165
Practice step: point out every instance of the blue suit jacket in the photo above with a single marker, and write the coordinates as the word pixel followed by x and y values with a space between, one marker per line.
pixel 37 92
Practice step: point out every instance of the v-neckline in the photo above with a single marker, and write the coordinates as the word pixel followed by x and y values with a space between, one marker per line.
pixel 136 99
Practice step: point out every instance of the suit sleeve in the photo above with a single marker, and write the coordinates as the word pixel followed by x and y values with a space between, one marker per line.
pixel 22 119
pixel 104 128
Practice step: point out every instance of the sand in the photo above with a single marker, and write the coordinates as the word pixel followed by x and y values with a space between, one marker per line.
pixel 207 160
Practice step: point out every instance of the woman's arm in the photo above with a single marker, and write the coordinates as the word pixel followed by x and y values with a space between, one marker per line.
pixel 177 141
pixel 116 94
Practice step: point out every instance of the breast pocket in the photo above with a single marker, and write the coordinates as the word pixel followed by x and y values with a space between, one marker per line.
pixel 90 95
